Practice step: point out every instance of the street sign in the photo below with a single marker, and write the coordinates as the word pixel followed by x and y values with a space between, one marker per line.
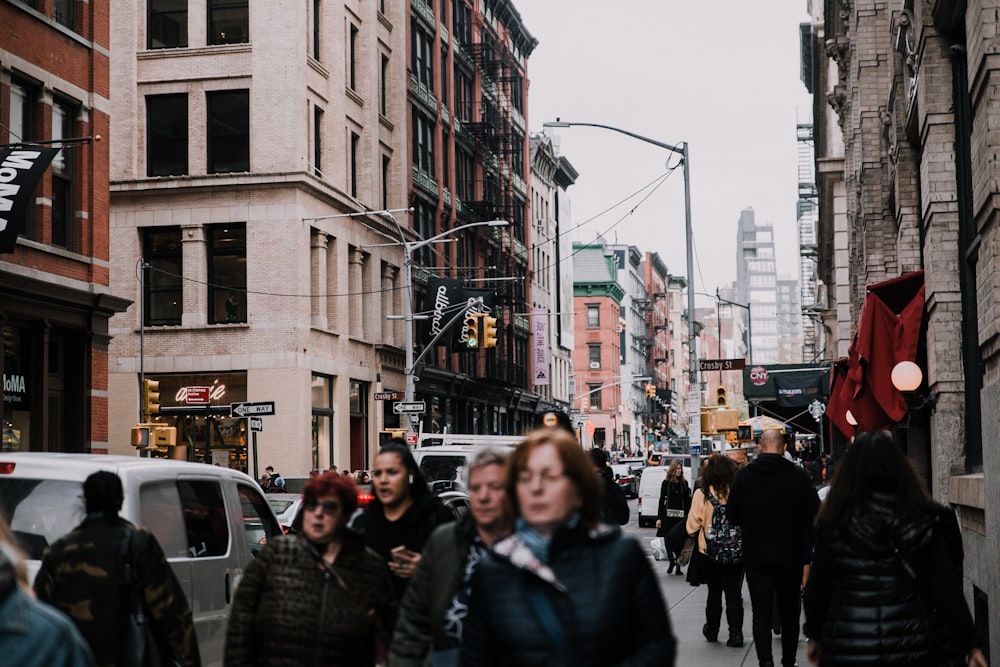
pixel 414 407
pixel 414 420
pixel 721 364
pixel 388 395
pixel 248 409
pixel 197 395
pixel 758 376
pixel 817 409
pixel 411 439
pixel 256 424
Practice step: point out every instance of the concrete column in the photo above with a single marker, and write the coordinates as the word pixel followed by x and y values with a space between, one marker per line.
pixel 389 274
pixel 318 283
pixel 356 261
pixel 194 254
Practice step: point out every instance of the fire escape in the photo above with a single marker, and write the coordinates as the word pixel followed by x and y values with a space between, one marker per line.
pixel 500 155
pixel 808 250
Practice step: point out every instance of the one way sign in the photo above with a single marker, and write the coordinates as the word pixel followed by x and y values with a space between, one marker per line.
pixel 248 409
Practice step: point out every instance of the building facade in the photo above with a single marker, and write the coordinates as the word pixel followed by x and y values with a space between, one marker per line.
pixel 907 182
pixel 658 413
pixel 57 296
pixel 249 140
pixel 789 315
pixel 634 343
pixel 756 281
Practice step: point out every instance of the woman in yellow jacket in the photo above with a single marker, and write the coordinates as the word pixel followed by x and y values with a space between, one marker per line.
pixel 722 568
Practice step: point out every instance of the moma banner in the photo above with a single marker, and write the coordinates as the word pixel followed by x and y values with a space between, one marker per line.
pixel 20 170
pixel 540 345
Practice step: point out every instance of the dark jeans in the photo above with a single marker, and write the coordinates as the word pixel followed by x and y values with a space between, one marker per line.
pixel 768 583
pixel 728 580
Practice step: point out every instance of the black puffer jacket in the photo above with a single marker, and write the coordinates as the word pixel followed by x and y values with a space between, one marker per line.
pixel 601 587
pixel 887 592
pixel 289 612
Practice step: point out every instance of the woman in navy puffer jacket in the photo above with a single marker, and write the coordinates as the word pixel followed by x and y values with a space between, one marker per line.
pixel 564 590
pixel 885 586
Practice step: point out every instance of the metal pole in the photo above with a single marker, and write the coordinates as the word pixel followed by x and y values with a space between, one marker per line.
pixel 142 332
pixel 408 324
pixel 255 475
pixel 694 394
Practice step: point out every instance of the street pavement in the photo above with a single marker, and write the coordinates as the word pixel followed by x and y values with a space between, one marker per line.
pixel 686 604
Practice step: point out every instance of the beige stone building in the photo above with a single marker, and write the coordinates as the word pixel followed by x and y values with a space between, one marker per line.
pixel 907 178
pixel 241 137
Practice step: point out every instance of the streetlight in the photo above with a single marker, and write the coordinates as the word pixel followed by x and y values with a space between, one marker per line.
pixel 694 415
pixel 408 248
pixel 749 324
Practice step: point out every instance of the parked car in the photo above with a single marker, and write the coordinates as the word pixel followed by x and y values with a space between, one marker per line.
pixel 285 506
pixel 209 520
pixel 626 479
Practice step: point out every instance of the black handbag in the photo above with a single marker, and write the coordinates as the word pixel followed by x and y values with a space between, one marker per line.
pixel 140 647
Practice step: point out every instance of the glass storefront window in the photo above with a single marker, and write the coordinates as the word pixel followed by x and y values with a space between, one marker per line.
pixel 16 420
pixel 322 419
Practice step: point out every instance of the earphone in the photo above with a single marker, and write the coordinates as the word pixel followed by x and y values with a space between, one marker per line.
pixel 411 479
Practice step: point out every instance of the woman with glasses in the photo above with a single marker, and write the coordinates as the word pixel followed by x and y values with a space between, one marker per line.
pixel 318 597
pixel 564 589
pixel 403 514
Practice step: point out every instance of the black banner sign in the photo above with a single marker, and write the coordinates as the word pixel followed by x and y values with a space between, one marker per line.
pixel 441 299
pixel 20 170
pixel 796 391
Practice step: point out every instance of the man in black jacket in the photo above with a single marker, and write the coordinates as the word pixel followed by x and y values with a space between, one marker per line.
pixel 615 510
pixel 774 501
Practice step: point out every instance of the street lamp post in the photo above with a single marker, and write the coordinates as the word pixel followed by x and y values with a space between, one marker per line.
pixel 749 324
pixel 694 412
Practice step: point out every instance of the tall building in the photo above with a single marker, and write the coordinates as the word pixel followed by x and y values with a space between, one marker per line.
pixel 598 296
pixel 248 142
pixel 756 281
pixel 552 304
pixel 657 413
pixel 467 93
pixel 904 110
pixel 57 298
pixel 789 316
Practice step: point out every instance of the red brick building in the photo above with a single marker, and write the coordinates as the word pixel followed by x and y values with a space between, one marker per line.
pixel 55 298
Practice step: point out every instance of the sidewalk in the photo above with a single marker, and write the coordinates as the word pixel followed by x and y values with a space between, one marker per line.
pixel 686 604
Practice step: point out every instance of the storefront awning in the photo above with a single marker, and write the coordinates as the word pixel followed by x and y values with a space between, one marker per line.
pixel 889 331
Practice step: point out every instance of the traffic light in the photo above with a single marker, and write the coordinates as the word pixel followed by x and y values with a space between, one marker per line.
pixel 489 331
pixel 142 436
pixel 720 396
pixel 150 399
pixel 744 432
pixel 650 391
pixel 472 331
pixel 585 403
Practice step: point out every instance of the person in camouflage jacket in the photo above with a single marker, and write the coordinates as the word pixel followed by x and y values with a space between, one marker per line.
pixel 82 574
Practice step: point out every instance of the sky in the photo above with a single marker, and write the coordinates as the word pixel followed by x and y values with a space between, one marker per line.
pixel 722 76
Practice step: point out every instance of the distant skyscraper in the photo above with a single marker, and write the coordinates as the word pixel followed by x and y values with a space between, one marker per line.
pixel 789 322
pixel 756 284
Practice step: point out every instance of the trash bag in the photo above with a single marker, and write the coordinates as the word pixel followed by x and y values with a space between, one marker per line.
pixel 659 550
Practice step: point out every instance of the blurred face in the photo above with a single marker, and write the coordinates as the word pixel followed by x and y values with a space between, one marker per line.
pixel 547 498
pixel 487 497
pixel 391 479
pixel 323 519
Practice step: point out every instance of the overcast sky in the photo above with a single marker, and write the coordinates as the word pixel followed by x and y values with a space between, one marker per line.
pixel 723 76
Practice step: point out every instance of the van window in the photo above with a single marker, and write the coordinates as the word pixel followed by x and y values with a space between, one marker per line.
pixel 204 518
pixel 40 511
pixel 160 513
pixel 260 526
pixel 447 468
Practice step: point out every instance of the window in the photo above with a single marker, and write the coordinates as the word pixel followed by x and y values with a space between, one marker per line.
pixel 228 22
pixel 423 222
pixel 63 115
pixel 462 18
pixel 464 181
pixel 228 131
pixel 444 73
pixel 322 415
pixel 595 396
pixel 420 56
pixel 383 94
pixel 352 59
pixel 166 24
pixel 463 96
pixel 385 181
pixel 204 518
pixel 517 92
pixel 517 153
pixel 355 142
pixel 166 135
pixel 445 163
pixel 258 521
pixel 227 273
pixel 162 284
pixel 318 141
pixel 317 7
pixel 64 12
pixel 594 356
pixel 423 143
pixel 593 317
pixel 160 513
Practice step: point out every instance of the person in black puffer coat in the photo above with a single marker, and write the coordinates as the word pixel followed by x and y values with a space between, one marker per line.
pixel 315 598
pixel 886 581
pixel 565 590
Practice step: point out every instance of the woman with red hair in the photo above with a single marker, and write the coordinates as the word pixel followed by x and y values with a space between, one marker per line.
pixel 318 597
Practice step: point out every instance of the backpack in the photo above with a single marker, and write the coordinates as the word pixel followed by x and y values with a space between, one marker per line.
pixel 723 540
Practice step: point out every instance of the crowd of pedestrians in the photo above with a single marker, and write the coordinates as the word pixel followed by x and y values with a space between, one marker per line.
pixel 538 572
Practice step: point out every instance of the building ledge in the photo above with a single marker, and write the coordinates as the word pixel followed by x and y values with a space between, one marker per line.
pixel 968 494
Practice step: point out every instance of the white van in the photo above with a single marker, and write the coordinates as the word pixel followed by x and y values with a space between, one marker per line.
pixel 443 465
pixel 209 520
pixel 649 494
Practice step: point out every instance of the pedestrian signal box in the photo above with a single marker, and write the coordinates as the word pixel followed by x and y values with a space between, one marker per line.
pixel 744 432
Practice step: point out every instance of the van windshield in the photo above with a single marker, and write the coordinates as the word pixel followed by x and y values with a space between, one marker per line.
pixel 442 469
pixel 40 511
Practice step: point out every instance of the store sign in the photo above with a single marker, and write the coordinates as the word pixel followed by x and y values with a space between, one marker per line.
pixel 15 389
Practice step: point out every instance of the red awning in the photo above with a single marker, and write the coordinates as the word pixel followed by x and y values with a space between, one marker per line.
pixel 888 332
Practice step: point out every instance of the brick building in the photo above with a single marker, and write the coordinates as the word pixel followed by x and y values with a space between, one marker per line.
pixel 56 296
pixel 907 180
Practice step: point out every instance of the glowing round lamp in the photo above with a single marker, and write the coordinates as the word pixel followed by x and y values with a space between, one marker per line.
pixel 850 418
pixel 906 376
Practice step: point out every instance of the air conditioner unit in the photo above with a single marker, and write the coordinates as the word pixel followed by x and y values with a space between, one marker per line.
pixel 594 365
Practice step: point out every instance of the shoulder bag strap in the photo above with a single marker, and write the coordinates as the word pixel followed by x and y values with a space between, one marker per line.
pixel 553 627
